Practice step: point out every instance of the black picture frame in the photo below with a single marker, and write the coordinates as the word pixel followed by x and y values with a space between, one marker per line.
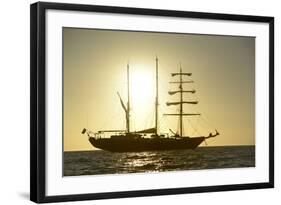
pixel 38 101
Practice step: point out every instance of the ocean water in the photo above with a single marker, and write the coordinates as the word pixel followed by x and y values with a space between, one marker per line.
pixel 103 162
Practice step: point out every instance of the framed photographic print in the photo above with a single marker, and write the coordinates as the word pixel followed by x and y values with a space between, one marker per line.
pixel 129 102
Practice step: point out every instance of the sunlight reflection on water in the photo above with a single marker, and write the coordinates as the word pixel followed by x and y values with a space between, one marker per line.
pixel 103 162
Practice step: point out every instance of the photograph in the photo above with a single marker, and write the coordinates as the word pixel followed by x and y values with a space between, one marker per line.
pixel 134 102
pixel 149 102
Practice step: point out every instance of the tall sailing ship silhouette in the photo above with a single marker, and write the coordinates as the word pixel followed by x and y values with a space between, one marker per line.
pixel 137 141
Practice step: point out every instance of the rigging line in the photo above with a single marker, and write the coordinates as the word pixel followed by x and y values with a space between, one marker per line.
pixel 196 128
pixel 196 124
pixel 87 106
pixel 119 113
pixel 161 122
pixel 206 125
pixel 88 93
pixel 148 119
pixel 167 126
pixel 211 126
pixel 121 124
pixel 87 115
pixel 165 119
pixel 203 118
pixel 111 116
pixel 162 119
pixel 200 121
pixel 191 132
pixel 184 128
pixel 117 108
pixel 145 123
pixel 133 125
pixel 193 127
pixel 178 128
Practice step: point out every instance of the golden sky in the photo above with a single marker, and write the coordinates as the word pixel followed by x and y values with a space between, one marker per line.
pixel 94 67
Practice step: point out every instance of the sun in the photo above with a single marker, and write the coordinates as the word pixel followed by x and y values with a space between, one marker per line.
pixel 142 86
pixel 142 91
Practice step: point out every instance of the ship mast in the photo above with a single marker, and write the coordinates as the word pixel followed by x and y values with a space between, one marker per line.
pixel 126 108
pixel 128 103
pixel 156 99
pixel 181 101
pixel 180 87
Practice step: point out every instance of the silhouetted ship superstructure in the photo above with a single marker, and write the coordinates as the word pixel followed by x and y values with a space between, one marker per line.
pixel 137 141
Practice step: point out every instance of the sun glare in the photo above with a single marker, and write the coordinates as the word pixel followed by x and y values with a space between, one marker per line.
pixel 142 86
pixel 142 91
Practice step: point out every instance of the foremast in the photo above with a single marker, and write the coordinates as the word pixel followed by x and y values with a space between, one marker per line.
pixel 181 101
pixel 127 108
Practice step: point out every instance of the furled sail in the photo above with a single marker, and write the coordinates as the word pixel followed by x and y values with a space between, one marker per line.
pixel 183 91
pixel 178 103
pixel 183 114
pixel 150 130
pixel 122 103
pixel 188 81
pixel 181 73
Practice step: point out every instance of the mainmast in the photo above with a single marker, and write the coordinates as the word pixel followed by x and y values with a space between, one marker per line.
pixel 181 102
pixel 156 99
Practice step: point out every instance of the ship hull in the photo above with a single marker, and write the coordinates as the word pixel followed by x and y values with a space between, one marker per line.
pixel 145 144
